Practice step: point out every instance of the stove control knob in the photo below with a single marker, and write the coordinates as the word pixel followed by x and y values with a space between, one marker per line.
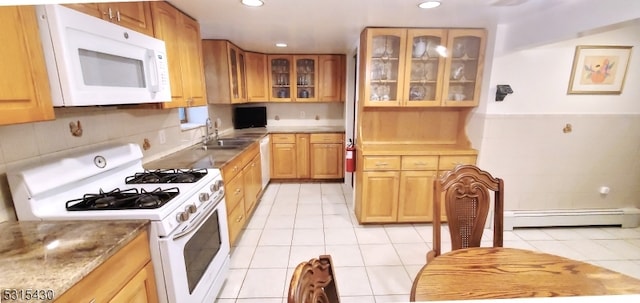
pixel 182 217
pixel 190 209
pixel 204 197
pixel 214 187
pixel 220 184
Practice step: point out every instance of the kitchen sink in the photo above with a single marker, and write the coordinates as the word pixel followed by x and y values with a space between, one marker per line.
pixel 233 143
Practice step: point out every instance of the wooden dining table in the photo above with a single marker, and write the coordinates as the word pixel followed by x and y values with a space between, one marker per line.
pixel 498 272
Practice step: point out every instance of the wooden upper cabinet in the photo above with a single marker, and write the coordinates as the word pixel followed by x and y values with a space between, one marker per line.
pixel 383 74
pixel 257 77
pixel 424 67
pixel 191 51
pixel 463 69
pixel 331 78
pixel 133 15
pixel 305 70
pixel 181 35
pixel 421 67
pixel 224 65
pixel 280 78
pixel 24 85
pixel 165 20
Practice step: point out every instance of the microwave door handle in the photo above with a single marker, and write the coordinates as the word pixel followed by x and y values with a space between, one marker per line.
pixel 155 74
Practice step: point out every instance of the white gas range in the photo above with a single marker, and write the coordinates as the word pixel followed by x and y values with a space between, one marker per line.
pixel 189 238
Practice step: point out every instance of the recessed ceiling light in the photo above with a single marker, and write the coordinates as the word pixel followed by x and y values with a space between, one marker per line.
pixel 429 4
pixel 254 3
pixel 281 44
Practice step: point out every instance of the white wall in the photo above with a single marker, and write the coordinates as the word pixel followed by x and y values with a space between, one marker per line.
pixel 523 140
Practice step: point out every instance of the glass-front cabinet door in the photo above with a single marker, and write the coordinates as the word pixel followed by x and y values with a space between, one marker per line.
pixel 236 70
pixel 281 78
pixel 385 49
pixel 306 79
pixel 425 62
pixel 463 70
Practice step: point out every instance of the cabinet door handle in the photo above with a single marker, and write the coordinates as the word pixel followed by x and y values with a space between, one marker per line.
pixel 93 300
pixel 110 14
pixel 118 16
pixel 420 163
pixel 237 191
pixel 239 218
pixel 382 164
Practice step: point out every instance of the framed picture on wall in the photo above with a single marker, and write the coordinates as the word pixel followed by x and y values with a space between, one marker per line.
pixel 599 69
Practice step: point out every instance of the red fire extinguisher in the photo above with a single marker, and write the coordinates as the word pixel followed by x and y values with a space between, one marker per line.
pixel 351 157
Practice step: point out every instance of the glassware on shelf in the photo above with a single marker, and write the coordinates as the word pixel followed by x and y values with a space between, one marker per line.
pixel 417 93
pixel 457 72
pixel 458 50
pixel 419 47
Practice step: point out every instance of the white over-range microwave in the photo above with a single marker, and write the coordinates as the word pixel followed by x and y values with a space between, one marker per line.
pixel 94 62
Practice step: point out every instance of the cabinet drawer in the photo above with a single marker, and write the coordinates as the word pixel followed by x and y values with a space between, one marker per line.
pixel 250 153
pixel 449 162
pixel 283 138
pixel 232 168
pixel 234 192
pixel 326 138
pixel 236 220
pixel 419 162
pixel 381 163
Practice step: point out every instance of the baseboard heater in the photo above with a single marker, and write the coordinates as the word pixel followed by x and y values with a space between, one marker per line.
pixel 625 217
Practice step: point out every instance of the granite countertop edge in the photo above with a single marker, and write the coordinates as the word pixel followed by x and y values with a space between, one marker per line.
pixel 28 260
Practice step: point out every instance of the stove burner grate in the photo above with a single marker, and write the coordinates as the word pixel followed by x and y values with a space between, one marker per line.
pixel 167 176
pixel 124 199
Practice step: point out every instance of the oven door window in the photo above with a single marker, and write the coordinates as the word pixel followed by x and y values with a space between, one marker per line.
pixel 201 249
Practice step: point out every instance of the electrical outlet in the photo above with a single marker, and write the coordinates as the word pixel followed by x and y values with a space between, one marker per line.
pixel 162 136
pixel 302 114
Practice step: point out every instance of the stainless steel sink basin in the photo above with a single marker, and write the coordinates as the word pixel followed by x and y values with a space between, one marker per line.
pixel 234 143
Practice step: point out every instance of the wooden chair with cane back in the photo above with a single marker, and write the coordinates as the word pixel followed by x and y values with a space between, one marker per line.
pixel 314 282
pixel 467 202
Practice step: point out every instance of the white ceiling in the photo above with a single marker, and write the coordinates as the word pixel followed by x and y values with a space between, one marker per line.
pixel 333 26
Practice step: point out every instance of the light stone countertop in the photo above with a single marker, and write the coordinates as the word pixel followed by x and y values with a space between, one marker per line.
pixel 196 157
pixel 55 255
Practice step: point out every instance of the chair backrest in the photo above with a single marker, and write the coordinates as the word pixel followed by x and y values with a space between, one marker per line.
pixel 467 201
pixel 314 282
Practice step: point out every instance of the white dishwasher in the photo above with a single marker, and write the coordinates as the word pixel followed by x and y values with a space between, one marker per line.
pixel 265 160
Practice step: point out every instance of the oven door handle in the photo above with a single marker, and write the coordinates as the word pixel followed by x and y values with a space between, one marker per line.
pixel 196 224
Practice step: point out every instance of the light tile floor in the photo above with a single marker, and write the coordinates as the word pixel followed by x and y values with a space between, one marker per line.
pixel 296 222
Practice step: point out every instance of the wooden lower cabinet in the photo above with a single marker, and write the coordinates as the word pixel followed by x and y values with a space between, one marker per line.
pixel 236 221
pixel 416 192
pixel 125 277
pixel 399 189
pixel 327 161
pixel 252 183
pixel 243 185
pixel 302 159
pixel 283 161
pixel 141 289
pixel 380 191
pixel 316 156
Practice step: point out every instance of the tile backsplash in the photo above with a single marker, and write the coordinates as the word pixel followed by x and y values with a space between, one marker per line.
pixel 33 142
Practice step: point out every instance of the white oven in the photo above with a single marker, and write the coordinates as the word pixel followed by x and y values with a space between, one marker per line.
pixel 195 257
pixel 94 62
pixel 188 235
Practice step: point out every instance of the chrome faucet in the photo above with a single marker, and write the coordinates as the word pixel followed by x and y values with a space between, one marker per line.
pixel 207 130
pixel 215 129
